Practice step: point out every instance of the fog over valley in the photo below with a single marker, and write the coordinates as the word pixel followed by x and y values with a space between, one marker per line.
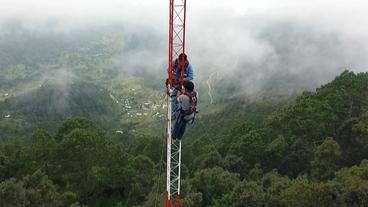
pixel 279 45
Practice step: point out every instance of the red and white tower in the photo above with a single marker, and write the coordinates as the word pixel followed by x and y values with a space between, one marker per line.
pixel 177 20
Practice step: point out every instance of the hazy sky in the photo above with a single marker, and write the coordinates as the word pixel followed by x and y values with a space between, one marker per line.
pixel 339 12
pixel 313 39
pixel 347 16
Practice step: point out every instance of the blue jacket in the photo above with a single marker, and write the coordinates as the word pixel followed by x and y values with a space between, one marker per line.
pixel 188 72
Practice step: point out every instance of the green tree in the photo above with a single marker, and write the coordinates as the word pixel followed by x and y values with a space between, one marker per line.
pixel 4 161
pixel 189 196
pixel 42 151
pixel 297 160
pixel 256 173
pixel 143 172
pixel 355 184
pixel 75 123
pixel 303 193
pixel 274 184
pixel 275 153
pixel 250 146
pixel 355 193
pixel 236 165
pixel 41 191
pixel 360 133
pixel 210 160
pixel 12 193
pixel 213 183
pixel 326 159
pixel 352 136
pixel 243 195
pixel 91 165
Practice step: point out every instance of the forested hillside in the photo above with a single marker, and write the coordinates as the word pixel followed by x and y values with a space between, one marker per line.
pixel 48 77
pixel 307 151
pixel 82 124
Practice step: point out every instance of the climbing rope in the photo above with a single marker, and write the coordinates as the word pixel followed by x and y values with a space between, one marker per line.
pixel 156 201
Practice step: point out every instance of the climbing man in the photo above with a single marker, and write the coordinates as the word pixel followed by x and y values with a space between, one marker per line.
pixel 177 67
pixel 187 103
pixel 176 80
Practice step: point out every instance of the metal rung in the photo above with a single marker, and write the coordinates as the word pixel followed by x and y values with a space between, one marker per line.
pixel 174 193
pixel 173 187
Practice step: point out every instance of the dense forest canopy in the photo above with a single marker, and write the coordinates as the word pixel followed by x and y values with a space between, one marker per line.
pixel 307 151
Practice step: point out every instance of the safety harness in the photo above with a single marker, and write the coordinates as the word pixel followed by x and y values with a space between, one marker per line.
pixel 189 114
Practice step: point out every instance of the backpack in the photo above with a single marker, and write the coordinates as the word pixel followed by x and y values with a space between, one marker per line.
pixel 189 115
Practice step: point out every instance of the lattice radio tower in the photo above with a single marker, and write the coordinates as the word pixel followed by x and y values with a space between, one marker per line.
pixel 177 18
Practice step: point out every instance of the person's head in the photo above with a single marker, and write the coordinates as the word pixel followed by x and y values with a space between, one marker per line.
pixel 188 86
pixel 180 58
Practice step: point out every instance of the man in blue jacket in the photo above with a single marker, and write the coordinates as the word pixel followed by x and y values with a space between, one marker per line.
pixel 177 67
pixel 176 78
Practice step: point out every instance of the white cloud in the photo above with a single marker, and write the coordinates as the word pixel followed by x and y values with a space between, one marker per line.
pixel 226 35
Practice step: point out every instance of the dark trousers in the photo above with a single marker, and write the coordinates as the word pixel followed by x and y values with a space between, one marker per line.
pixel 179 128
